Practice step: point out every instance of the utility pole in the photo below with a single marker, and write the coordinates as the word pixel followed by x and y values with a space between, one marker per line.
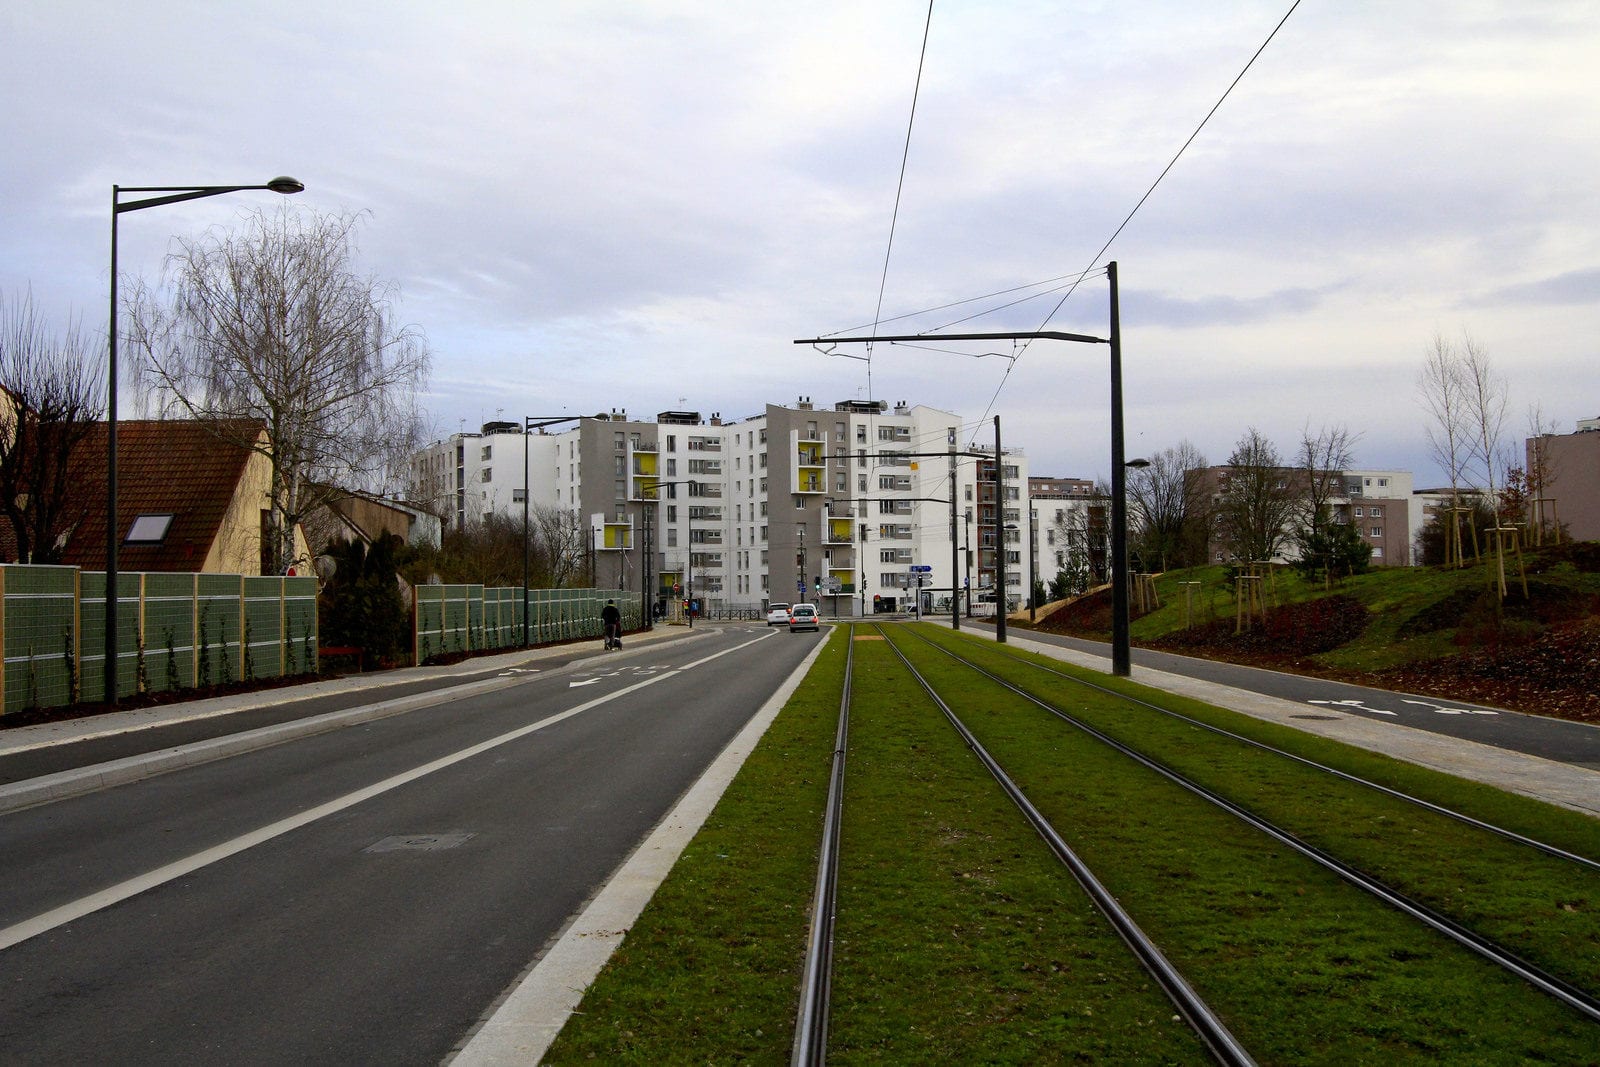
pixel 1120 659
pixel 1121 653
pixel 1000 539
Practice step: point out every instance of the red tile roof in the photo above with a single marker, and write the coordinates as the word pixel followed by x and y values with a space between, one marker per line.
pixel 188 468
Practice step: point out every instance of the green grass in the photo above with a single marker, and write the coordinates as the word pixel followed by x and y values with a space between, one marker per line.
pixel 1304 967
pixel 960 939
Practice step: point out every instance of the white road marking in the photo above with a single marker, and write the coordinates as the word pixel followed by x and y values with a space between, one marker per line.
pixel 77 909
pixel 1442 710
pixel 1353 705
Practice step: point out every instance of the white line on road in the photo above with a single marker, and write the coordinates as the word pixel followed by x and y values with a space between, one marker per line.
pixel 94 902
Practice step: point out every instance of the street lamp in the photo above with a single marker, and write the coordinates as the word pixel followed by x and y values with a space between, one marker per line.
pixel 1121 647
pixel 1033 563
pixel 688 557
pixel 529 424
pixel 172 194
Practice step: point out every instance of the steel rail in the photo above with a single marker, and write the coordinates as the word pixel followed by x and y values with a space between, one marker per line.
pixel 816 986
pixel 1437 809
pixel 1213 1032
pixel 1562 990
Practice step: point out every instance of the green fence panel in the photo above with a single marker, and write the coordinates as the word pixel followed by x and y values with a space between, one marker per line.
pixel 300 625
pixel 38 623
pixel 169 634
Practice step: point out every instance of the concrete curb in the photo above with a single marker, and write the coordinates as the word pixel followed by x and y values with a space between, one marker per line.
pixel 521 1029
pixel 1562 784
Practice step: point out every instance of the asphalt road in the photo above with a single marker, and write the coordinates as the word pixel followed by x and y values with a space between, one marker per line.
pixel 361 895
pixel 1553 739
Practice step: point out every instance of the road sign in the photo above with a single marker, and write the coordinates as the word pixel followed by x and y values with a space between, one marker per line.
pixel 920 568
pixel 833 583
pixel 800 585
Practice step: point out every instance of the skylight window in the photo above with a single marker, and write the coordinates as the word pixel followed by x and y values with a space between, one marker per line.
pixel 149 529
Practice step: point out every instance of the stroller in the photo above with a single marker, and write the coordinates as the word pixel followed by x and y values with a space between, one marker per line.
pixel 613 635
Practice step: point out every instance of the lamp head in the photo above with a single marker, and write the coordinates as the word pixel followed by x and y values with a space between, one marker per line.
pixel 286 185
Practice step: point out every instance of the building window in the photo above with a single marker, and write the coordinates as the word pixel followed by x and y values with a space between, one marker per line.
pixel 517 495
pixel 1376 513
pixel 1377 531
pixel 1358 513
pixel 485 474
pixel 1377 551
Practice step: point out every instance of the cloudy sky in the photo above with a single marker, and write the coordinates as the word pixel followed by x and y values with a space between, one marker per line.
pixel 639 205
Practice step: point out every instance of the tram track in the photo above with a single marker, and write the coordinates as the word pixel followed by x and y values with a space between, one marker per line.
pixel 810 1044
pixel 1566 992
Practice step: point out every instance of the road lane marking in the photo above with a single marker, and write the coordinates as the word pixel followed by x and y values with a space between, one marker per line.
pixel 88 905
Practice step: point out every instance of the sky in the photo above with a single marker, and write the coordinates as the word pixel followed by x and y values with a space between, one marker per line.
pixel 639 206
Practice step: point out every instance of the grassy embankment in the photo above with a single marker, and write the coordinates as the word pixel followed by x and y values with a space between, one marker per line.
pixel 1420 629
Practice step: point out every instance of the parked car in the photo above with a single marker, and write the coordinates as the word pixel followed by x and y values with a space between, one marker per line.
pixel 777 614
pixel 803 617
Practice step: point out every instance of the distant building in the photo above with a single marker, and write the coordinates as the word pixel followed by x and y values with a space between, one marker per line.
pixel 1571 482
pixel 795 503
pixel 1377 503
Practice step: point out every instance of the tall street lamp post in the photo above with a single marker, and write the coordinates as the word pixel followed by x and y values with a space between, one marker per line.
pixel 171 194
pixel 529 424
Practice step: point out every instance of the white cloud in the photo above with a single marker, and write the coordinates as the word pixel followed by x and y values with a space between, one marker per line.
pixel 620 204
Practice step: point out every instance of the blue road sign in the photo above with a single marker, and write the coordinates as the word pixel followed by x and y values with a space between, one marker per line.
pixel 919 568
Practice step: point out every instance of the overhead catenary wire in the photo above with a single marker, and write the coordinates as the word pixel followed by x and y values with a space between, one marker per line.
pixel 1147 194
pixel 894 217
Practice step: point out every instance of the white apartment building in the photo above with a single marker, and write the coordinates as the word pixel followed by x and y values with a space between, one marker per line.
pixel 796 503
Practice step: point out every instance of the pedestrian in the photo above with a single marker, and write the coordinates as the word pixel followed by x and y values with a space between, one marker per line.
pixel 611 621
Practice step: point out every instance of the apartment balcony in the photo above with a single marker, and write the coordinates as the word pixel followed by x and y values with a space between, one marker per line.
pixel 809 480
pixel 702 561
pixel 646 464
pixel 614 536
pixel 838 531
pixel 705 444
pixel 705 537
pixel 705 513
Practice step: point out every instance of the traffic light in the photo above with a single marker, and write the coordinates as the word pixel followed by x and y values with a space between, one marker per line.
pixel 818 583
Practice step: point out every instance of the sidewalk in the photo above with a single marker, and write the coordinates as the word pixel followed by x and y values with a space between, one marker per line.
pixel 1562 784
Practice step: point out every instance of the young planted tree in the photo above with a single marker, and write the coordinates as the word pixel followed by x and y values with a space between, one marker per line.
pixel 1256 501
pixel 1444 396
pixel 274 324
pixel 52 392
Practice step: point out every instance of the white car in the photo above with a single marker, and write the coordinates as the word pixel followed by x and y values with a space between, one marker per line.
pixel 803 617
pixel 777 614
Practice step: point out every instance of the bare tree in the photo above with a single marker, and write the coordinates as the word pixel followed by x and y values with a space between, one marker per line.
pixel 52 392
pixel 559 544
pixel 1541 472
pixel 1321 459
pixel 1257 501
pixel 274 324
pixel 1484 397
pixel 1171 508
pixel 1444 395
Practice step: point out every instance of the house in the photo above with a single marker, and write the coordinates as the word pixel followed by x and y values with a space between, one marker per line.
pixel 188 499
